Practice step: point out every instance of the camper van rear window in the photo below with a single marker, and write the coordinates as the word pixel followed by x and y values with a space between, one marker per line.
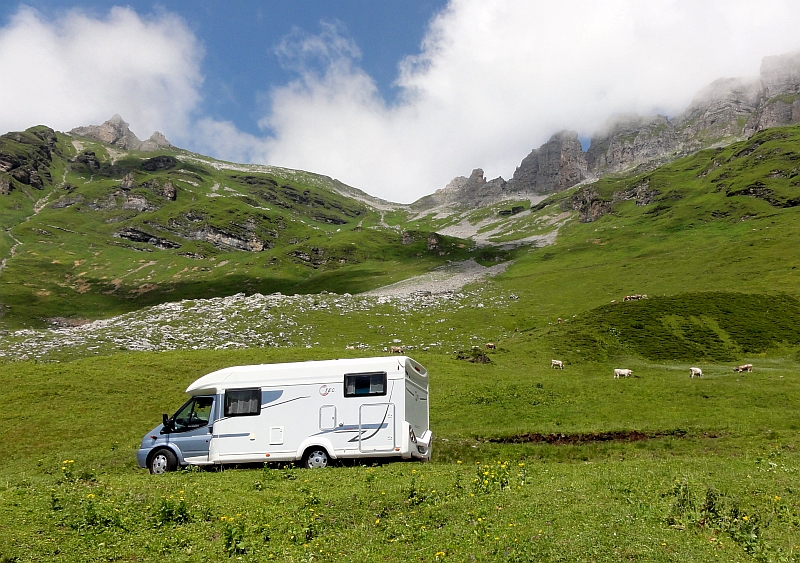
pixel 242 402
pixel 361 384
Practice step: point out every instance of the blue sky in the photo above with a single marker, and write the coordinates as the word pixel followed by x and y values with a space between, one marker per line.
pixel 239 39
pixel 393 97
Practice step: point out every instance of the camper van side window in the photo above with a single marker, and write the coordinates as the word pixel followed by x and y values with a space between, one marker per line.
pixel 361 384
pixel 242 402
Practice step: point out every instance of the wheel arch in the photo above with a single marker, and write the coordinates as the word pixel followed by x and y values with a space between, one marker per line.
pixel 315 442
pixel 175 451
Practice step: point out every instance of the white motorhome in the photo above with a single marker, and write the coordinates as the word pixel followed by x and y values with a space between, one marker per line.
pixel 312 412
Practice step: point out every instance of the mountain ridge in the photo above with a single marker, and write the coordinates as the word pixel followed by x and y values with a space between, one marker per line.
pixel 725 111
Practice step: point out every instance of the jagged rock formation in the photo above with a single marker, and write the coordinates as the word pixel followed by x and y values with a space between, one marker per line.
pixel 555 166
pixel 727 110
pixel 472 191
pixel 116 132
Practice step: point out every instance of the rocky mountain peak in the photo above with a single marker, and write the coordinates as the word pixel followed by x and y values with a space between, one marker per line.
pixel 116 131
pixel 556 165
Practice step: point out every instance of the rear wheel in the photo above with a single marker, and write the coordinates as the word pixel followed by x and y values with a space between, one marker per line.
pixel 316 457
pixel 163 460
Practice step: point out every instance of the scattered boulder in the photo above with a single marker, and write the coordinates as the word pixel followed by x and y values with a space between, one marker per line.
pixel 136 235
pixel 128 181
pixel 89 158
pixel 162 162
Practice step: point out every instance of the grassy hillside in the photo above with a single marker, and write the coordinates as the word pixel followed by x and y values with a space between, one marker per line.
pixel 109 231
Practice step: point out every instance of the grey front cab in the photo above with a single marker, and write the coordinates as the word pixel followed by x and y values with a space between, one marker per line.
pixel 181 439
pixel 153 439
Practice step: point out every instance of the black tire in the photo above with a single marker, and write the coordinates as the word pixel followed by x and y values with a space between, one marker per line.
pixel 162 461
pixel 315 458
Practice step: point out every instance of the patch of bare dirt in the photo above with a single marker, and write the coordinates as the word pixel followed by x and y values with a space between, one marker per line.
pixel 588 438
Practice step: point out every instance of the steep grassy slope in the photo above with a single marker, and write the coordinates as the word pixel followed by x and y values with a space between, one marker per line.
pixel 111 231
pixel 711 239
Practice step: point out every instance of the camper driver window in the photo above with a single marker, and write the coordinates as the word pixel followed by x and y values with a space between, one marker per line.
pixel 194 414
pixel 360 384
pixel 242 402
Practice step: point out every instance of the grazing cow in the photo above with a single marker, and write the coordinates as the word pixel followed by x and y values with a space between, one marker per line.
pixel 490 346
pixel 559 320
pixel 622 373
pixel 744 367
pixel 557 364
pixel 395 349
pixel 348 347
pixel 695 372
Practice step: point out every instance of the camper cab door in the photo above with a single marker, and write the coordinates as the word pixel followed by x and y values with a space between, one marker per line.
pixel 376 416
pixel 189 429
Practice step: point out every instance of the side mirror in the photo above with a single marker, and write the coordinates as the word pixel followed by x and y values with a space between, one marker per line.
pixel 166 421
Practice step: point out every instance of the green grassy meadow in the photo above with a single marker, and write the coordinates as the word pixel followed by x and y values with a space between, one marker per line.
pixel 715 480
pixel 529 463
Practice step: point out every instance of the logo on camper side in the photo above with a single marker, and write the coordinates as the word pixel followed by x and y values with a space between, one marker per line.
pixel 324 390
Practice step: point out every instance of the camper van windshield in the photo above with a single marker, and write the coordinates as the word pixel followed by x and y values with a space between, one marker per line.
pixel 194 414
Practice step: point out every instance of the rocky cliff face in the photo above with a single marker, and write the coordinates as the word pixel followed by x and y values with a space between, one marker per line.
pixel 116 132
pixel 555 166
pixel 727 110
pixel 630 141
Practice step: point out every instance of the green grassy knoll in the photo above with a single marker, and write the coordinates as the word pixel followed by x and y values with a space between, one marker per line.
pixel 723 487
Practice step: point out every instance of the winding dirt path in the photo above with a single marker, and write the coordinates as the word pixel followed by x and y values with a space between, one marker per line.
pixel 450 277
pixel 37 207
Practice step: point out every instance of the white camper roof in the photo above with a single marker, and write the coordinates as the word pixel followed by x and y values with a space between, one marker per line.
pixel 265 375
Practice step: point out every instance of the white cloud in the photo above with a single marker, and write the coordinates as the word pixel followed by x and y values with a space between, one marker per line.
pixel 78 70
pixel 495 79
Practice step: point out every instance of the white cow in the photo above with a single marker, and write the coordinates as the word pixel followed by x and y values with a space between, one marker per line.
pixel 745 367
pixel 622 373
pixel 695 372
pixel 557 364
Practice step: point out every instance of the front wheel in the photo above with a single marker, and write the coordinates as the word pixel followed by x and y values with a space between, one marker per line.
pixel 316 457
pixel 163 460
